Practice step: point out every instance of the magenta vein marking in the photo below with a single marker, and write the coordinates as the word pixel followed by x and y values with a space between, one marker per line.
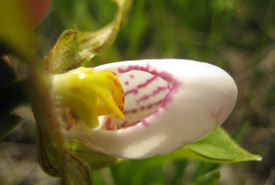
pixel 142 85
pixel 164 75
pixel 108 124
pixel 155 92
pixel 124 124
pixel 134 91
pixel 68 127
pixel 142 108
pixel 145 123
pixel 147 82
pixel 127 124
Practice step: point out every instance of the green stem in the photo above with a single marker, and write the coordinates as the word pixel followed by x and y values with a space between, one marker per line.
pixel 50 137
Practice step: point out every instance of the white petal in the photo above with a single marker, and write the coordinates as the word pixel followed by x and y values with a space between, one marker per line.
pixel 198 98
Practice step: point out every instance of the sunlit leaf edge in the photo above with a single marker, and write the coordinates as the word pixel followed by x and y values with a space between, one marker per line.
pixel 237 153
pixel 191 152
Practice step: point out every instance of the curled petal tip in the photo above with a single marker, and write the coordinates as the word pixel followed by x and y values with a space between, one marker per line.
pixel 168 104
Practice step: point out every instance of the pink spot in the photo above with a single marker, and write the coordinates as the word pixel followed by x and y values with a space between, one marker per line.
pixel 134 123
pixel 156 112
pixel 114 73
pixel 124 124
pixel 120 108
pixel 130 111
pixel 145 123
pixel 142 108
pixel 149 106
pixel 126 83
pixel 108 124
pixel 158 102
pixel 134 111
pixel 116 82
pixel 134 91
pixel 153 104
pixel 135 67
pixel 127 124
pixel 132 76
pixel 68 127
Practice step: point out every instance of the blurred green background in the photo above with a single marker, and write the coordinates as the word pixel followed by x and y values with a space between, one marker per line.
pixel 237 35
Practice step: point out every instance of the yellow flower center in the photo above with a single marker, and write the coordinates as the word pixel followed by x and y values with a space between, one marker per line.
pixel 89 94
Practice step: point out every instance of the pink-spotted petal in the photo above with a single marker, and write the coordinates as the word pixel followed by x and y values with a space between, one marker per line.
pixel 168 104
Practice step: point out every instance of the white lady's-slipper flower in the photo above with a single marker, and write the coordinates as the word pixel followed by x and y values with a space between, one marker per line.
pixel 168 104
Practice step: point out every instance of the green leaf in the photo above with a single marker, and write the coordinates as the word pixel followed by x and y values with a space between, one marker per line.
pixel 210 178
pixel 96 160
pixel 139 172
pixel 7 123
pixel 217 147
pixel 75 48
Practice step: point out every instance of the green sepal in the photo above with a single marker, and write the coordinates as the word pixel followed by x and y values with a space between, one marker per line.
pixel 7 123
pixel 80 161
pixel 96 160
pixel 74 48
pixel 76 171
pixel 48 154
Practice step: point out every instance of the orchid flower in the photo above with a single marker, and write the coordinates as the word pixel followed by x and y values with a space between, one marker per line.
pixel 143 108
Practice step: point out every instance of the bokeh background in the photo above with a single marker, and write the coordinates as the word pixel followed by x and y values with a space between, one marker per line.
pixel 237 35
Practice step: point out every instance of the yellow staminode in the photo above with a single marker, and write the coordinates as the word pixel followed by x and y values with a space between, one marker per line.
pixel 89 94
